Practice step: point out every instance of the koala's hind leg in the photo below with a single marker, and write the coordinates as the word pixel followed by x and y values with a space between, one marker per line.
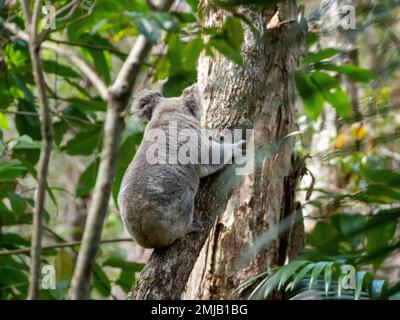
pixel 188 210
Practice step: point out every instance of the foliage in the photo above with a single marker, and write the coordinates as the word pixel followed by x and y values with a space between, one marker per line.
pixel 318 280
pixel 101 32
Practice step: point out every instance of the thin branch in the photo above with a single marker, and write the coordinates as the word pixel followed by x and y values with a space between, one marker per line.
pixel 45 150
pixel 73 3
pixel 65 53
pixel 89 46
pixel 118 99
pixel 56 114
pixel 26 12
pixel 60 245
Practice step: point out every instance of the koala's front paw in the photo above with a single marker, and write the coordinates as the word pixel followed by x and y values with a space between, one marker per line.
pixel 239 147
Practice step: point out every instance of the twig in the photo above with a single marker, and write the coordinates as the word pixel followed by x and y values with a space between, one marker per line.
pixel 67 54
pixel 45 150
pixel 119 95
pixel 60 245
pixel 89 46
pixel 57 114
pixel 61 10
pixel 26 12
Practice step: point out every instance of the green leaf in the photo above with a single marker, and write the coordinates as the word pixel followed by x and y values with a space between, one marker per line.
pixel 177 82
pixel 64 265
pixel 126 280
pixel 26 142
pixel 4 122
pixel 324 234
pixel 379 236
pixel 271 284
pixel 381 194
pixel 12 241
pixel 234 31
pixel 354 72
pixel 288 271
pixel 9 171
pixel 191 53
pixel 319 267
pixel 193 4
pixel 378 289
pixel 328 276
pixel 12 276
pixel 228 51
pixel 301 275
pixel 351 226
pixel 18 203
pixel 362 277
pixel 228 41
pixel 130 141
pixel 8 218
pixel 166 21
pixel 100 281
pixel 386 176
pixel 147 27
pixel 54 67
pixel 330 89
pixel 87 179
pixel 83 143
pixel 60 129
pixel 100 64
pixel 320 55
pixel 26 148
pixel 27 124
pixel 339 284
pixel 311 38
pixel 309 93
pixel 116 262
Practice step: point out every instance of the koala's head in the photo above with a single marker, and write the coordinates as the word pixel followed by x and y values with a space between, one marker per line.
pixel 147 101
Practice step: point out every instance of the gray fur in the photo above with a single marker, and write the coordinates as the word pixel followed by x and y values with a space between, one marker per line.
pixel 156 201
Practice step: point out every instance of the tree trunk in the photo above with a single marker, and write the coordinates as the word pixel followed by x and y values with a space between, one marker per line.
pixel 236 209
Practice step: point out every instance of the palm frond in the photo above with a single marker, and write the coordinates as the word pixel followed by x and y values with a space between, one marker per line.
pixel 318 280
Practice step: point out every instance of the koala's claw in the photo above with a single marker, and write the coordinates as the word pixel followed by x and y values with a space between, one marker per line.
pixel 241 144
pixel 196 226
pixel 238 151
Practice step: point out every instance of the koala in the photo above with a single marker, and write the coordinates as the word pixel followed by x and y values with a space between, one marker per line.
pixel 156 200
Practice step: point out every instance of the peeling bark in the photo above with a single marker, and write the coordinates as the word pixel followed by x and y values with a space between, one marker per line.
pixel 235 210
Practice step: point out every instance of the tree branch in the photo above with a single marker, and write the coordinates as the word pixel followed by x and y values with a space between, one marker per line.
pixel 47 141
pixel 65 53
pixel 26 12
pixel 60 245
pixel 118 98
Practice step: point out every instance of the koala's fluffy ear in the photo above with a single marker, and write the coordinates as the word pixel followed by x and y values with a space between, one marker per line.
pixel 192 100
pixel 144 103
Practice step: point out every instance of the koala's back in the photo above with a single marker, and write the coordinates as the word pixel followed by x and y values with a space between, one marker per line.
pixel 157 200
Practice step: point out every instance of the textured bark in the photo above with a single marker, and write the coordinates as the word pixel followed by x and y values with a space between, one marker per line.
pixel 46 128
pixel 234 210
